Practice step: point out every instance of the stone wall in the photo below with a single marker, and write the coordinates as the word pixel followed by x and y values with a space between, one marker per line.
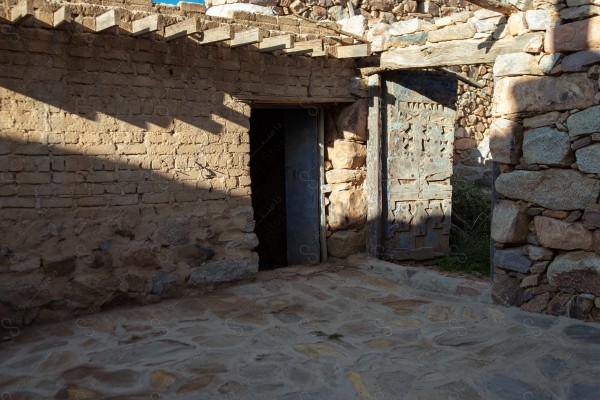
pixel 546 138
pixel 125 165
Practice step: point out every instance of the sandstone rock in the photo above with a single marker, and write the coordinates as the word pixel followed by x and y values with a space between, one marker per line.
pixel 580 61
pixel 163 282
pixel 406 27
pixel 356 25
pixel 547 146
pixel 516 64
pixel 227 10
pixel 574 36
pixel 588 159
pixel 509 222
pixel 377 35
pixel 584 122
pixel 457 32
pixel 580 306
pixel 562 235
pixel 541 120
pixel 488 26
pixel 341 244
pixel 531 280
pixel 517 24
pixel 337 13
pixel 591 216
pixel 485 14
pixel 506 290
pixel 539 267
pixel 578 271
pixel 543 94
pixel 464 143
pixel 347 210
pixel 512 259
pixel 298 7
pixel 537 304
pixel 347 155
pixel 557 214
pixel 541 20
pixel 462 16
pixel 506 138
pixel 548 62
pixel 407 40
pixel 352 121
pixel 558 189
pixel 345 175
pixel 224 271
pixel 585 11
pixel 537 253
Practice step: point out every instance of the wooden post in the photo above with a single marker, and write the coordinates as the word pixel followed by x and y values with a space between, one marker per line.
pixel 373 180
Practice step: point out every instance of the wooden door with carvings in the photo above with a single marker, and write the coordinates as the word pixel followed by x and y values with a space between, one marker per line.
pixel 418 118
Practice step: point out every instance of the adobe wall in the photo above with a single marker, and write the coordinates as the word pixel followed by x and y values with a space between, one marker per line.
pixel 125 165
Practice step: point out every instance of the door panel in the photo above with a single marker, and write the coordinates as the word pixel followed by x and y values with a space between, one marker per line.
pixel 418 137
pixel 302 186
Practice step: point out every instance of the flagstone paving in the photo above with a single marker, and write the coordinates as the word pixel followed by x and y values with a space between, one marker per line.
pixel 302 333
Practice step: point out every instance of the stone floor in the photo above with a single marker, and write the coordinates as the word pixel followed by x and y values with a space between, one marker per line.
pixel 325 332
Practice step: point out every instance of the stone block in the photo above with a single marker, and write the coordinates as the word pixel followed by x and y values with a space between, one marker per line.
pixel 580 306
pixel 347 209
pixel 506 290
pixel 537 253
pixel 543 93
pixel 547 146
pixel 59 266
pixel 406 27
pixel 557 189
pixel 574 36
pixel 591 216
pixel 558 234
pixel 408 40
pixel 577 271
pixel 356 24
pixel 163 282
pixel 345 175
pixel 548 62
pixel 539 267
pixel 531 280
pixel 541 120
pixel 588 159
pixel 584 122
pixel 506 138
pixel 580 61
pixel 352 121
pixel 515 64
pixel 512 259
pixel 509 222
pixel 341 244
pixel 28 265
pixel 580 12
pixel 347 155
pixel 541 20
pixel 223 271
pixel 517 25
pixel 456 32
pixel 538 304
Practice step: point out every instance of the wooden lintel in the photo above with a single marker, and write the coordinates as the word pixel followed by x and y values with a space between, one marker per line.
pixel 302 101
pixel 23 9
pixel 446 54
pixel 215 35
pixel 62 16
pixel 183 28
pixel 107 20
pixel 277 43
pixel 307 46
pixel 145 25
pixel 244 38
pixel 352 51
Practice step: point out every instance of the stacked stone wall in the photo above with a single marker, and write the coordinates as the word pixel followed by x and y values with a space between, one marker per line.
pixel 125 165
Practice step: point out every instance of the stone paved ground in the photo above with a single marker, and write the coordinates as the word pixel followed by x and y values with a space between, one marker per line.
pixel 324 332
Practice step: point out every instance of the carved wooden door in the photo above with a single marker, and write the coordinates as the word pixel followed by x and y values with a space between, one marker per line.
pixel 417 146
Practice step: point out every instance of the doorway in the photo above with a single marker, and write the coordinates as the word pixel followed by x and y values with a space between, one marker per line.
pixel 285 183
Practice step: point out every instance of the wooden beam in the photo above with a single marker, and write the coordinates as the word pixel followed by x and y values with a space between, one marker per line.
pixel 244 38
pixel 183 28
pixel 215 35
pixel 307 46
pixel 277 43
pixel 351 51
pixel 463 78
pixel 23 9
pixel 373 180
pixel 327 25
pixel 301 101
pixel 145 25
pixel 446 54
pixel 62 16
pixel 495 5
pixel 107 20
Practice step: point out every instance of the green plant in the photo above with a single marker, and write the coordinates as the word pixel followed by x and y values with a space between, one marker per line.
pixel 470 235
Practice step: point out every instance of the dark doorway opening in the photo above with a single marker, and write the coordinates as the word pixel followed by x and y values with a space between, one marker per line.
pixel 285 185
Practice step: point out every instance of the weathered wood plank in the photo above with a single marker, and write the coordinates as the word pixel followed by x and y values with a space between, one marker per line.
pixel 308 46
pixel 322 206
pixel 107 20
pixel 215 35
pixel 62 16
pixel 373 180
pixel 145 25
pixel 24 8
pixel 183 28
pixel 302 101
pixel 244 38
pixel 277 43
pixel 351 51
pixel 445 54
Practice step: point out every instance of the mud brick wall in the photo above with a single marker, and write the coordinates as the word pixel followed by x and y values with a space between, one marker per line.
pixel 546 138
pixel 125 165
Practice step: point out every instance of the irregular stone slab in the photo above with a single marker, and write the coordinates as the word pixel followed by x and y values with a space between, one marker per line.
pixel 583 333
pixel 341 244
pixel 226 10
pixel 591 216
pixel 509 222
pixel 408 40
pixel 584 11
pixel 579 61
pixel 456 32
pixel 317 350
pixel 574 36
pixel 551 366
pixel 547 146
pixel 356 25
pixel 588 159
pixel 223 271
pixel 506 290
pixel 576 270
pixel 137 353
pixel 584 122
pixel 537 253
pixel 509 388
pixel 459 336
pixel 557 189
pixel 345 175
pixel 548 62
pixel 580 391
pixel 506 139
pixel 352 120
pixel 541 20
pixel 512 259
pixel 347 155
pixel 541 94
pixel 406 27
pixel 163 282
pixel 558 234
pixel 541 120
pixel 516 64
